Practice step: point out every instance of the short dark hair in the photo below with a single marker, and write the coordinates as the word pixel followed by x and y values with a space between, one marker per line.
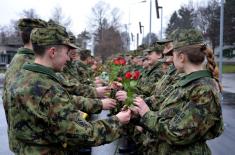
pixel 85 54
pixel 40 50
pixel 25 35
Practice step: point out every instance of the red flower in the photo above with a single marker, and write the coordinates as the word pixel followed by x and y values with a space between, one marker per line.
pixel 116 62
pixel 128 75
pixel 119 79
pixel 136 75
pixel 122 61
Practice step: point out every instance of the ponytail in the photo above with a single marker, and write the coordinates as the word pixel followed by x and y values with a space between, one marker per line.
pixel 211 65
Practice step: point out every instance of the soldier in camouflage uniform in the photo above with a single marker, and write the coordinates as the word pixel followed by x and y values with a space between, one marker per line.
pixel 23 55
pixel 43 117
pixel 74 77
pixel 191 113
pixel 146 81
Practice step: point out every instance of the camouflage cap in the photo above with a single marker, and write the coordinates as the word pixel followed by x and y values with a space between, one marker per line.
pixel 85 52
pixel 72 39
pixel 52 23
pixel 156 48
pixel 164 41
pixel 51 36
pixel 188 37
pixel 25 23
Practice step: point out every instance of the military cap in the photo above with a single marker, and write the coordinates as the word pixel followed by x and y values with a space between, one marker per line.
pixel 188 37
pixel 52 23
pixel 156 48
pixel 51 36
pixel 164 41
pixel 72 39
pixel 85 52
pixel 26 23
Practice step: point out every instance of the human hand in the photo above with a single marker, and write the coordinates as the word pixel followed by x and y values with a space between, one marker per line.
pixel 121 95
pixel 102 91
pixel 140 106
pixel 108 103
pixel 124 116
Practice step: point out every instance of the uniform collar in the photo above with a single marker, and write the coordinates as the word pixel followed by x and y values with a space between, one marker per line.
pixel 194 76
pixel 23 50
pixel 41 69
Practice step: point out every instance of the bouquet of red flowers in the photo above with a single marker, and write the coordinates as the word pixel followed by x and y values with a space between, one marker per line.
pixel 129 83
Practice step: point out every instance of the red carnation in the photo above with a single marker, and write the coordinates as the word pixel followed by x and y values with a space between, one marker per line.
pixel 116 62
pixel 122 61
pixel 128 75
pixel 136 75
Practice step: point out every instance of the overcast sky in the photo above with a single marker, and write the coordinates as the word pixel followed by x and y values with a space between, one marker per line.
pixel 80 10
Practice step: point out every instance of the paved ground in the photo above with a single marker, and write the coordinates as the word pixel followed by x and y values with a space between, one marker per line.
pixel 224 145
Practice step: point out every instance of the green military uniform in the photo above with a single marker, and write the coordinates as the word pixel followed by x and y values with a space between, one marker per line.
pixel 22 56
pixel 146 81
pixel 43 117
pixel 190 115
pixel 186 111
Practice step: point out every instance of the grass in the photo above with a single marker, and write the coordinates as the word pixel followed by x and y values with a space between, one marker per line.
pixel 228 68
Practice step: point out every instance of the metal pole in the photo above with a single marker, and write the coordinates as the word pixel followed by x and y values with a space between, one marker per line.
pixel 150 21
pixel 161 21
pixel 221 39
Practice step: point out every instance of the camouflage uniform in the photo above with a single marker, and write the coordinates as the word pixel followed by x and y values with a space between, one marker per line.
pixel 43 117
pixel 22 56
pixel 146 82
pixel 190 115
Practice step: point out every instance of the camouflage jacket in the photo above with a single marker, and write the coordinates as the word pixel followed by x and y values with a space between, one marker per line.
pixel 71 79
pixel 145 84
pixel 85 73
pixel 190 115
pixel 163 88
pixel 45 119
pixel 23 55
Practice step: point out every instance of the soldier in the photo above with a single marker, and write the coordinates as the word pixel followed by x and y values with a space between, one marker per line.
pixel 146 81
pixel 43 116
pixel 23 55
pixel 73 78
pixel 191 113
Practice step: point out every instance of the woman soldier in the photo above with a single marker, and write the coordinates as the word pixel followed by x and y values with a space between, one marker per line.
pixel 191 113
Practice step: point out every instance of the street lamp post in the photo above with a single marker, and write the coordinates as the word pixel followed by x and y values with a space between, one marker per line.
pixel 160 7
pixel 221 39
pixel 150 22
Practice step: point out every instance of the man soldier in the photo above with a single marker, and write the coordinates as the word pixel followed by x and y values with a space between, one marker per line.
pixel 23 55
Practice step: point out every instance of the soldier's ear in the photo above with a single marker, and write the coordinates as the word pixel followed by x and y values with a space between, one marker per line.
pixel 52 52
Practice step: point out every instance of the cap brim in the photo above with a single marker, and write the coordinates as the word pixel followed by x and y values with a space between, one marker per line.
pixel 161 42
pixel 72 46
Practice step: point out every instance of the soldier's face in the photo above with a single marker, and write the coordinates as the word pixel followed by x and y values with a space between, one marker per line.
pixel 178 60
pixel 61 57
pixel 153 57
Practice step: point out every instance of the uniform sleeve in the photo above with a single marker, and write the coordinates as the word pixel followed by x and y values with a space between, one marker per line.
pixel 147 86
pixel 190 123
pixel 68 128
pixel 80 89
pixel 88 105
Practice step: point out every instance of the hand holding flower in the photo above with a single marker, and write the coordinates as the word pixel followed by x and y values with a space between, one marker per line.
pixel 141 106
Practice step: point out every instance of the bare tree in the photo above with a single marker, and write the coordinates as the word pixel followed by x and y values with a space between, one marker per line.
pixel 59 17
pixel 105 25
pixel 31 13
